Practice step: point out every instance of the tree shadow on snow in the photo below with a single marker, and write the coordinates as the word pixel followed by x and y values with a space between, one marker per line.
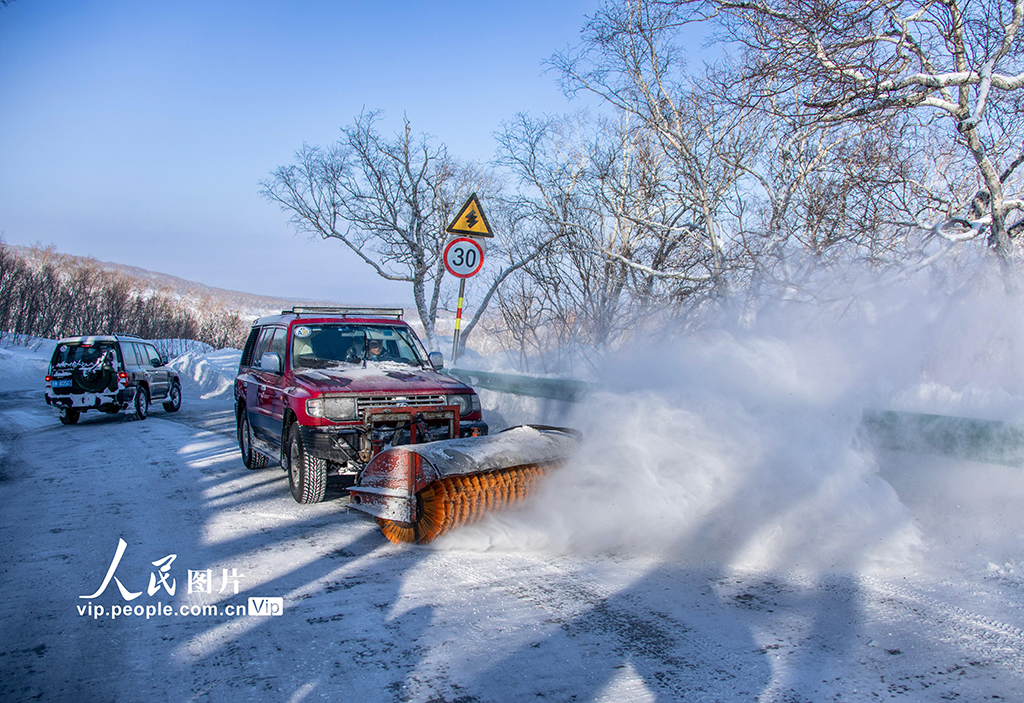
pixel 168 491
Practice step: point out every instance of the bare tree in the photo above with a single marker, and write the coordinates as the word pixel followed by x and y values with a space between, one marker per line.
pixel 389 201
pixel 824 195
pixel 623 239
pixel 572 296
pixel 631 59
pixel 385 199
pixel 961 62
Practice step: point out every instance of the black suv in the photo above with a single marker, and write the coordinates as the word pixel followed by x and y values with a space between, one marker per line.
pixel 109 373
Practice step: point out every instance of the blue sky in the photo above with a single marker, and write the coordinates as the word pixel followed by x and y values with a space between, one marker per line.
pixel 137 132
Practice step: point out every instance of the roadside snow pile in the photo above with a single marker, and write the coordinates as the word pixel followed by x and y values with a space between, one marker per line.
pixel 25 358
pixel 174 348
pixel 207 375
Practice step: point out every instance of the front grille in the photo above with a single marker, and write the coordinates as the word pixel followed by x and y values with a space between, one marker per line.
pixel 397 401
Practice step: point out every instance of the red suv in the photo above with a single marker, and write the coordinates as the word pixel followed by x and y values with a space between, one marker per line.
pixel 325 389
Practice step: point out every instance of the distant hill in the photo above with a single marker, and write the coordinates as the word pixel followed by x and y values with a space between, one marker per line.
pixel 249 305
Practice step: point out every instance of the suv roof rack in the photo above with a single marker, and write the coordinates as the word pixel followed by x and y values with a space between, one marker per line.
pixel 387 312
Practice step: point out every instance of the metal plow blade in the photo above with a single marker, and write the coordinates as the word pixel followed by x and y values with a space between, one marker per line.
pixel 419 492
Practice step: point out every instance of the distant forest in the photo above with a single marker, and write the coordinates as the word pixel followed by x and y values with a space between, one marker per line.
pixel 52 295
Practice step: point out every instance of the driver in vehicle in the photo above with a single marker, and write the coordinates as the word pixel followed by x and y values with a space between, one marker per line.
pixel 374 350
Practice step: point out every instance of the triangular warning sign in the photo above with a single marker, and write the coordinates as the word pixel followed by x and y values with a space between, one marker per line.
pixel 470 220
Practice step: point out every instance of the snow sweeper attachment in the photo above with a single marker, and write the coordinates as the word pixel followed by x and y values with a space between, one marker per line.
pixel 418 492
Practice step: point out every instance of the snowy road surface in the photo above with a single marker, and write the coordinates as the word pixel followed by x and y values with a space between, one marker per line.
pixel 366 620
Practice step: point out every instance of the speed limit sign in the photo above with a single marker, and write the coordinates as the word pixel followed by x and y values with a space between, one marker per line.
pixel 463 257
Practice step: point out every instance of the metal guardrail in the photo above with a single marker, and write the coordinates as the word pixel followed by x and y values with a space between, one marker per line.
pixel 567 389
pixel 962 437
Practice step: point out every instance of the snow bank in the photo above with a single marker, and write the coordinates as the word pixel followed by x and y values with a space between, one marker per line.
pixel 739 445
pixel 207 375
pixel 24 359
pixel 175 347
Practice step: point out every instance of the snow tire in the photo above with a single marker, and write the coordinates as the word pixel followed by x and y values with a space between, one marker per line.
pixel 307 475
pixel 69 416
pixel 251 458
pixel 140 405
pixel 173 402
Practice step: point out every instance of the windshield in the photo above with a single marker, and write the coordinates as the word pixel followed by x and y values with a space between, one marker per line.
pixel 81 352
pixel 318 346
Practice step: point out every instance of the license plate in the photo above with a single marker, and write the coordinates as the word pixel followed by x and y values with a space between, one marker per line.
pixel 60 383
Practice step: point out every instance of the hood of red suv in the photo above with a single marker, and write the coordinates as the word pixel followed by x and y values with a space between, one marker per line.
pixel 377 379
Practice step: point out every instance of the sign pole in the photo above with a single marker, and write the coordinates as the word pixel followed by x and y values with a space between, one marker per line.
pixel 464 256
pixel 458 320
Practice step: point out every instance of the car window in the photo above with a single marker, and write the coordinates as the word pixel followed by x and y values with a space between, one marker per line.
pixel 81 353
pixel 323 345
pixel 395 344
pixel 262 345
pixel 151 354
pixel 278 343
pixel 140 356
pixel 128 354
pixel 250 346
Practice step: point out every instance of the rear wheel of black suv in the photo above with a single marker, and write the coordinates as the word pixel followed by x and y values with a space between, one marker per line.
pixel 307 475
pixel 69 416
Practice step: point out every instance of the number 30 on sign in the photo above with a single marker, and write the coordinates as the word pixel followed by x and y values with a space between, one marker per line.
pixel 463 257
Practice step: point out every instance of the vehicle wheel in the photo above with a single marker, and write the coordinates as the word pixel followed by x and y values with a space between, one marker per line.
pixel 69 416
pixel 307 475
pixel 250 457
pixel 173 401
pixel 140 405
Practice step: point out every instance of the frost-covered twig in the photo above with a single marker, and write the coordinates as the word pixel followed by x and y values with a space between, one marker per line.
pixel 964 229
pixel 673 275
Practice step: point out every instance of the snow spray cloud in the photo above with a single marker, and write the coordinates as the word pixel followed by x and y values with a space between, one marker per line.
pixel 720 448
pixel 740 446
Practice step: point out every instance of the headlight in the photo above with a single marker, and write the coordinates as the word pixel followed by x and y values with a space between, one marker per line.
pixel 467 402
pixel 332 408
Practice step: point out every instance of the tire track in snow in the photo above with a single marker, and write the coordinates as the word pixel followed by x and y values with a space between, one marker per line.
pixel 17 409
pixel 981 635
pixel 680 661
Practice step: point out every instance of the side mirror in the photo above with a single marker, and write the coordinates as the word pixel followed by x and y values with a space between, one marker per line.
pixel 163 360
pixel 436 360
pixel 270 362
